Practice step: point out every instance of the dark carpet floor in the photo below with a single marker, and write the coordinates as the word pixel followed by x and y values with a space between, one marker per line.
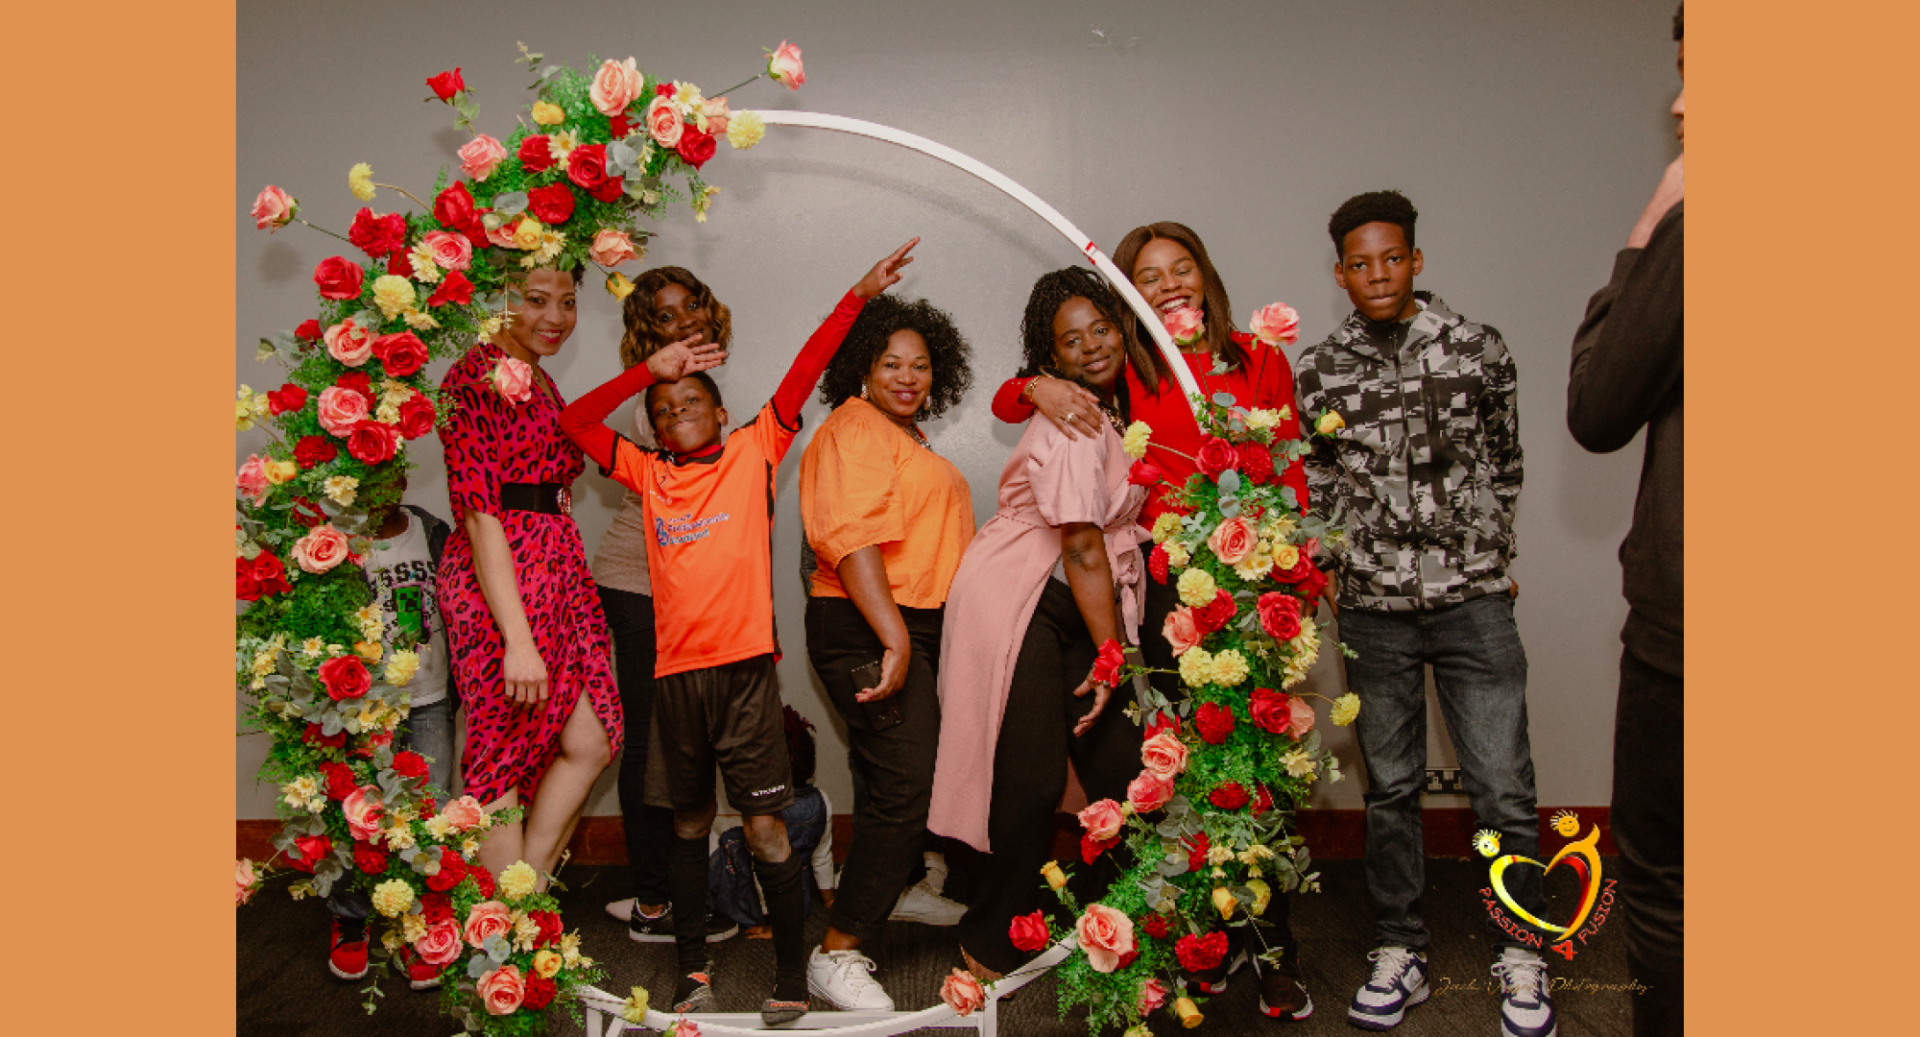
pixel 284 988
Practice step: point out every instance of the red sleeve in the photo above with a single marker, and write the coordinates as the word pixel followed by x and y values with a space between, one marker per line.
pixel 584 419
pixel 812 361
pixel 1008 405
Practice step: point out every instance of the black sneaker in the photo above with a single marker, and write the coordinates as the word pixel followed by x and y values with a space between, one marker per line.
pixel 694 992
pixel 659 928
pixel 1281 995
pixel 789 1002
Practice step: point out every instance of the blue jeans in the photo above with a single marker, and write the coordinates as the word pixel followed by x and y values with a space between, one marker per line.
pixel 430 732
pixel 1480 672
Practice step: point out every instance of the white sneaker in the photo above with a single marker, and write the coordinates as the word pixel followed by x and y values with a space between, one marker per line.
pixel 621 910
pixel 1526 1006
pixel 844 979
pixel 936 879
pixel 924 905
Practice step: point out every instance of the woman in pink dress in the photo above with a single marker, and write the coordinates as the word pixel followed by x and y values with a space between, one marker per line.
pixel 1052 576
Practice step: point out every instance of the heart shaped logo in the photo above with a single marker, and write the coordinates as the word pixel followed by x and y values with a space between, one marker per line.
pixel 1582 856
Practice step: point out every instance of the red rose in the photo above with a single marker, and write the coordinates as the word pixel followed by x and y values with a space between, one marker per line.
pixel 1262 800
pixel 410 764
pixel 305 511
pixel 286 398
pixel 270 574
pixel 1029 932
pixel 1256 462
pixel 402 354
pixel 550 927
pixel 454 288
pixel 587 166
pixel 1156 925
pixel 1216 613
pixel 360 382
pixel 535 154
pixel 369 859
pixel 1144 474
pixel 1197 857
pixel 551 205
pixel 1312 585
pixel 1214 722
pixel 1216 455
pixel 312 736
pixel 436 907
pixel 1271 710
pixel 416 417
pixel 537 991
pixel 1157 563
pixel 345 677
pixel 1091 848
pixel 1280 615
pixel 1201 953
pixel 1106 665
pixel 452 870
pixel 399 265
pixel 372 442
pixel 312 849
pixel 338 279
pixel 246 584
pixel 695 148
pixel 1161 722
pixel 1229 796
pixel 447 84
pixel 308 331
pixel 378 235
pixel 455 210
pixel 1302 566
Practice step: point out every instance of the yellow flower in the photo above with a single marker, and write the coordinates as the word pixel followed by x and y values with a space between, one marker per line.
pixel 561 144
pixel 525 931
pixel 392 897
pixel 1299 763
pixel 1329 423
pixel 635 1010
pixel 545 963
pixel 1229 668
pixel 1219 853
pixel 526 234
pixel 1286 556
pixel 425 270
pixel 340 489
pixel 438 826
pixel 1054 876
pixel 281 471
pixel 1262 896
pixel 419 322
pixel 744 129
pixel 360 179
pixel 546 113
pixel 1277 528
pixel 402 667
pixel 393 294
pixel 1135 441
pixel 1188 1012
pixel 491 327
pixel 1196 587
pixel 1177 554
pixel 313 647
pixel 413 927
pixel 368 650
pixel 518 880
pixel 618 286
pixel 1345 709
pixel 1165 526
pixel 1224 901
pixel 1255 565
pixel 701 202
pixel 1138 1030
pixel 1261 419
pixel 1196 667
pixel 399 837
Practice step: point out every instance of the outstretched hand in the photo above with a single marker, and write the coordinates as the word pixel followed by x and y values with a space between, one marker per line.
pixel 886 273
pixel 677 360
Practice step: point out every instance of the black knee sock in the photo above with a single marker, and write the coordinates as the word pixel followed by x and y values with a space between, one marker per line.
pixel 687 882
pixel 787 913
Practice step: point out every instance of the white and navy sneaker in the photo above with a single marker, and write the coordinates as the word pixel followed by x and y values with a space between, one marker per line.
pixel 844 980
pixel 1399 982
pixel 1526 1006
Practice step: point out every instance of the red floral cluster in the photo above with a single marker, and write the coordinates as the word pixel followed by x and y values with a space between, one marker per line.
pixel 1201 953
pixel 378 236
pixel 259 576
pixel 1214 722
pixel 1215 614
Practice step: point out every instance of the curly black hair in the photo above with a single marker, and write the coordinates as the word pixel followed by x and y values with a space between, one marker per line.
pixel 867 339
pixel 1050 293
pixel 1372 207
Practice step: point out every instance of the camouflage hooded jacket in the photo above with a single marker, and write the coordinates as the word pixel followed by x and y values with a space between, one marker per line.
pixel 1426 472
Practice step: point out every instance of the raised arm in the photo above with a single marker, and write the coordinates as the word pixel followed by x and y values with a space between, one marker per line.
pixel 584 419
pixel 812 361
pixel 1070 407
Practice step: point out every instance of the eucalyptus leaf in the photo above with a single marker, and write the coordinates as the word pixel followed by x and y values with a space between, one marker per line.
pixel 1171 868
pixel 331 725
pixel 367 319
pixel 1229 483
pixel 1291 499
pixel 621 159
pixel 1229 507
pixel 497 948
pixel 510 203
pixel 1249 622
pixel 478 965
pixel 323 884
pixel 1224 399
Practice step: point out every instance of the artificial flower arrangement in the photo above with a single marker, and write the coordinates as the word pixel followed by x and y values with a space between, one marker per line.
pixel 594 153
pixel 1206 832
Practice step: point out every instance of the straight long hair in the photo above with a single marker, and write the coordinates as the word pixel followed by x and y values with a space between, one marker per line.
pixel 1220 327
pixel 643 335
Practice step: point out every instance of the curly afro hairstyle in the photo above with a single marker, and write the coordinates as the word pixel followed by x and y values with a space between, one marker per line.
pixel 643 333
pixel 867 339
pixel 1050 293
pixel 1372 207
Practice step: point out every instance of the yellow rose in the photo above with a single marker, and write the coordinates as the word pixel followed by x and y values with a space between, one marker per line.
pixel 367 650
pixel 1224 901
pixel 546 113
pixel 1329 423
pixel 1196 667
pixel 744 129
pixel 1286 556
pixel 1196 587
pixel 1054 876
pixel 1345 709
pixel 545 964
pixel 618 285
pixel 1135 441
pixel 281 471
pixel 1188 1012
pixel 393 294
pixel 518 880
pixel 1165 526
pixel 360 180
pixel 392 897
pixel 526 234
pixel 1229 668
pixel 1262 896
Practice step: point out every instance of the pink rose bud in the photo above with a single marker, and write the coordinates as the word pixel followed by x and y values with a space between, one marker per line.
pixel 615 86
pixel 962 993
pixel 1276 324
pixel 273 209
pixel 479 156
pixel 784 65
pixel 611 248
pixel 1186 325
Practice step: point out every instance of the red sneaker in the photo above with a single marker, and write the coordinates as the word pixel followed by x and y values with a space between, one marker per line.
pixel 347 956
pixel 420 975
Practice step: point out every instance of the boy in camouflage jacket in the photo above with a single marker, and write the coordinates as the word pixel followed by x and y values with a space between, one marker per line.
pixel 1423 470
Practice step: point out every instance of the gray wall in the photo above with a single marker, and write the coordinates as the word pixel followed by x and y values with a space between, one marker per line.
pixel 1529 135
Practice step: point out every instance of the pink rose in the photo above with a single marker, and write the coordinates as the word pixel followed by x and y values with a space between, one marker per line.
pixel 348 343
pixel 1276 325
pixel 363 811
pixel 615 86
pixel 243 880
pixel 1303 717
pixel 252 479
pixel 1181 631
pixel 479 156
pixel 273 209
pixel 488 918
pixel 718 115
pixel 440 945
pixel 1149 792
pixel 1164 755
pixel 321 549
pixel 1153 994
pixel 1102 820
pixel 962 993
pixel 462 813
pixel 663 121
pixel 784 65
pixel 1185 324
pixel 449 251
pixel 1233 540
pixel 502 990
pixel 341 409
pixel 610 248
pixel 512 379
pixel 1106 935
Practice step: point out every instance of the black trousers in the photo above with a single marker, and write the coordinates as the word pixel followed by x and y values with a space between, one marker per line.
pixel 891 820
pixel 649 829
pixel 1030 774
pixel 1649 823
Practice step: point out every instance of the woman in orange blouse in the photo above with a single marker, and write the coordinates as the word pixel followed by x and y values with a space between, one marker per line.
pixel 887 519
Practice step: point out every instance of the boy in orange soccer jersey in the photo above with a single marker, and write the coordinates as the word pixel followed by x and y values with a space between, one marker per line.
pixel 709 502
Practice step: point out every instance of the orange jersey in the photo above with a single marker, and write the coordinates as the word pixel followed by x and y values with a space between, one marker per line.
pixel 709 544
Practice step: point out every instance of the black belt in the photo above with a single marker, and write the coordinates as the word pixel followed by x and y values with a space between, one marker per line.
pixel 547 498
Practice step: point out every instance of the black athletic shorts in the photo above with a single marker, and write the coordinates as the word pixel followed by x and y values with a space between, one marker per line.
pixel 727 716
